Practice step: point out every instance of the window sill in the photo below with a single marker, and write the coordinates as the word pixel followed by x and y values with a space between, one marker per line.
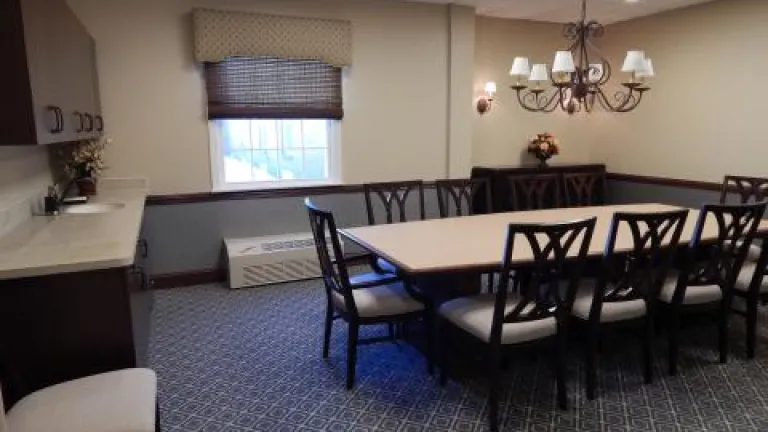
pixel 280 191
pixel 274 186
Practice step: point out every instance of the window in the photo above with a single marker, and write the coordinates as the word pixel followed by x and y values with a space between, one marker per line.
pixel 264 153
pixel 273 122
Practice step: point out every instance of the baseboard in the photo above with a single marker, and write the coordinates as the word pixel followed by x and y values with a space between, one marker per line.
pixel 210 276
pixel 189 278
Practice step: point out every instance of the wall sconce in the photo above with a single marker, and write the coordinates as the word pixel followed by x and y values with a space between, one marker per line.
pixel 484 103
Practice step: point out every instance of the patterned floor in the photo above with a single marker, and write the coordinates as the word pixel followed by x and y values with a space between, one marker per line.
pixel 250 360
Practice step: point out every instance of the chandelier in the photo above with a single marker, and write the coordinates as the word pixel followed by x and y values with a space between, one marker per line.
pixel 580 74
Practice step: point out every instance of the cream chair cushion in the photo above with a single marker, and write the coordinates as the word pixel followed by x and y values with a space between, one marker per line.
pixel 379 301
pixel 121 401
pixel 745 278
pixel 611 311
pixel 693 294
pixel 475 315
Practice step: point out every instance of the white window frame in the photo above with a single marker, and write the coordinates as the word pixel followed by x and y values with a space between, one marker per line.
pixel 218 176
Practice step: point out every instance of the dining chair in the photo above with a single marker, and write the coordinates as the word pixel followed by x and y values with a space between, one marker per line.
pixel 537 313
pixel 392 199
pixel 584 189
pixel 746 190
pixel 118 401
pixel 535 192
pixel 751 289
pixel 360 300
pixel 624 294
pixel 708 284
pixel 460 197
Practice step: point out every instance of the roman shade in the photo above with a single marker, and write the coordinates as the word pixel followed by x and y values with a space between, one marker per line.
pixel 273 87
pixel 222 34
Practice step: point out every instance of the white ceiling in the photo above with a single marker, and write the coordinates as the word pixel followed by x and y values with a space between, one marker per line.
pixel 604 11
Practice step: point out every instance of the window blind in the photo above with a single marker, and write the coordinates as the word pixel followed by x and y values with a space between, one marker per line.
pixel 273 87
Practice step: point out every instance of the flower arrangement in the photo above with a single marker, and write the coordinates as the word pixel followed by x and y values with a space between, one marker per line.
pixel 543 146
pixel 85 159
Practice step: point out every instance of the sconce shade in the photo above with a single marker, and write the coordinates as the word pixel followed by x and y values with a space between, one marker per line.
pixel 563 62
pixel 647 70
pixel 520 67
pixel 490 88
pixel 634 61
pixel 539 73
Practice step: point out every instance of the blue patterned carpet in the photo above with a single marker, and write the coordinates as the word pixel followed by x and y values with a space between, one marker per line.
pixel 250 360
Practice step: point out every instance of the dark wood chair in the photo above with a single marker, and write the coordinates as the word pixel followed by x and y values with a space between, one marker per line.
pixel 584 189
pixel 747 189
pixel 362 299
pixel 625 292
pixel 392 199
pixel 538 314
pixel 460 197
pixel 535 192
pixel 708 284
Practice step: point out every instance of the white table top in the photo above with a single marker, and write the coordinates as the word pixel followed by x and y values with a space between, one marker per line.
pixel 477 242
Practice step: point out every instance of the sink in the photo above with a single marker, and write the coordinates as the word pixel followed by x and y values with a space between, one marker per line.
pixel 95 208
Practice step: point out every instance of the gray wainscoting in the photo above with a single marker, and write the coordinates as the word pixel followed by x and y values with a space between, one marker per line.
pixel 623 192
pixel 189 237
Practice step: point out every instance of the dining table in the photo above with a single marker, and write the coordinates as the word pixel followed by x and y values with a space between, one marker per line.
pixel 455 251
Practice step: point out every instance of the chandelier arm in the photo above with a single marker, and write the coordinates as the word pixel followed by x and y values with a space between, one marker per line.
pixel 626 101
pixel 532 101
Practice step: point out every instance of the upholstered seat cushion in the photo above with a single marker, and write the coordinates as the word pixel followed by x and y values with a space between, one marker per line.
pixel 745 278
pixel 120 401
pixel 372 278
pixel 693 294
pixel 386 266
pixel 475 315
pixel 753 253
pixel 379 301
pixel 611 311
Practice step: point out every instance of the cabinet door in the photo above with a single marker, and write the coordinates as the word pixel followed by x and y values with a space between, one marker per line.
pixel 42 38
pixel 74 74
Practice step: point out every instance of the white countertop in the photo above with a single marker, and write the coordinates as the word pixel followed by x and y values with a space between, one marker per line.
pixel 46 245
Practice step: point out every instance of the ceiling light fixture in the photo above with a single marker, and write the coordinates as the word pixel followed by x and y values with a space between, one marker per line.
pixel 580 74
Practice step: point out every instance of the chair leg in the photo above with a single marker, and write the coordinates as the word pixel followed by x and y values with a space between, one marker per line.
pixel 648 349
pixel 352 354
pixel 560 371
pixel 158 425
pixel 442 351
pixel 751 328
pixel 391 328
pixel 590 369
pixel 723 337
pixel 493 389
pixel 429 324
pixel 328 326
pixel 673 330
pixel 490 283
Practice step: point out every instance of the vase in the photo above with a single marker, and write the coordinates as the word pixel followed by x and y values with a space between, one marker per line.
pixel 543 162
pixel 86 186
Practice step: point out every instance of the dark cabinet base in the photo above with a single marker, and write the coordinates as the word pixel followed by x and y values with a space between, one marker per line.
pixel 61 327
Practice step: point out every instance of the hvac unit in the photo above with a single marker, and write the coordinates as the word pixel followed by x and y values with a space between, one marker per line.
pixel 273 259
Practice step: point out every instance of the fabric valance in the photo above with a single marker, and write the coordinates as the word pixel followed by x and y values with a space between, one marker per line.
pixel 222 34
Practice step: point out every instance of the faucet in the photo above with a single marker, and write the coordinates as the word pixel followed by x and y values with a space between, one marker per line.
pixel 54 200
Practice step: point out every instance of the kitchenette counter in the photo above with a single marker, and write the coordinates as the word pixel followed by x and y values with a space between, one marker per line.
pixel 46 245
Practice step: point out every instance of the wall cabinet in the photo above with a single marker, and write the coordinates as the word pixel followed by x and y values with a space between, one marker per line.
pixel 48 79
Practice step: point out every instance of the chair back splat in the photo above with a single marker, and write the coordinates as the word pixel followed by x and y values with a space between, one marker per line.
pixel 393 198
pixel 641 272
pixel 559 252
pixel 462 197
pixel 748 189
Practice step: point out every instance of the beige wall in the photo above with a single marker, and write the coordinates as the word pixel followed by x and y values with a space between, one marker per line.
pixel 153 97
pixel 705 116
pixel 500 136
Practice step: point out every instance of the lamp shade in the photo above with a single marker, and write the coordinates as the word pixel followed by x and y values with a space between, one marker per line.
pixel 490 88
pixel 539 73
pixel 647 70
pixel 634 61
pixel 596 72
pixel 563 62
pixel 520 67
